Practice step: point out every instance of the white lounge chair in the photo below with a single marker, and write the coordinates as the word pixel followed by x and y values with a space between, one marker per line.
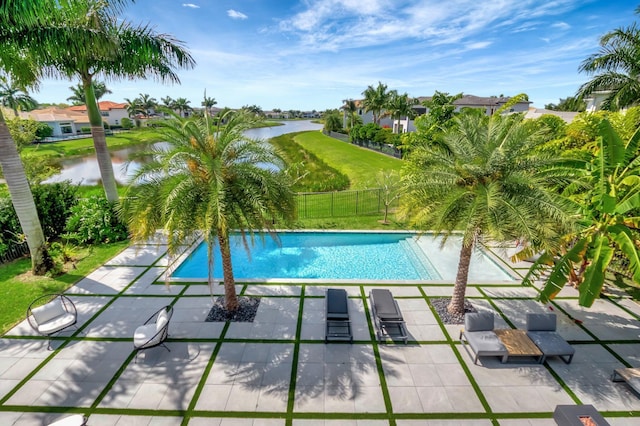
pixel 52 317
pixel 154 332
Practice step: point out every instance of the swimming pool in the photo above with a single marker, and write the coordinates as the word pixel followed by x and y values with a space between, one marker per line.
pixel 379 256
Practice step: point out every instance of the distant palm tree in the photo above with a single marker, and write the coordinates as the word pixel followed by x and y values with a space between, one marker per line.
pixel 208 103
pixel 616 68
pixel 486 180
pixel 134 107
pixel 349 109
pixel 375 100
pixel 400 106
pixel 213 180
pixel 147 103
pixel 14 97
pixel 182 105
pixel 78 98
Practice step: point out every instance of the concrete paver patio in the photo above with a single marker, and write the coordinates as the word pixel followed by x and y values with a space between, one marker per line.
pixel 278 370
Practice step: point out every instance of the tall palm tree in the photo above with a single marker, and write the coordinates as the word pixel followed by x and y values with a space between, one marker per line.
pixel 375 100
pixel 147 103
pixel 400 106
pixel 616 68
pixel 485 180
pixel 30 37
pixel 134 107
pixel 78 98
pixel 210 179
pixel 14 97
pixel 129 52
pixel 208 103
pixel 182 105
pixel 349 109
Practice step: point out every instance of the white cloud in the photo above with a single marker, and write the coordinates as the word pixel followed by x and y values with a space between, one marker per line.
pixel 191 5
pixel 478 45
pixel 561 25
pixel 234 14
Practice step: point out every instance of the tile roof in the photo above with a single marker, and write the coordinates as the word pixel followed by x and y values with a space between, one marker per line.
pixel 104 106
pixel 56 114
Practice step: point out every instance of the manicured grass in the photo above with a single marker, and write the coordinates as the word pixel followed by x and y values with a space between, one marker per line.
pixel 359 164
pixel 312 174
pixel 18 287
pixel 372 222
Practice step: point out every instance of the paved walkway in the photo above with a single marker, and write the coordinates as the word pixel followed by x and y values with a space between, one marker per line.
pixel 278 371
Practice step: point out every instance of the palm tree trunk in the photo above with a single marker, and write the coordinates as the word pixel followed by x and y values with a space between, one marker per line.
pixel 22 200
pixel 456 307
pixel 100 142
pixel 230 296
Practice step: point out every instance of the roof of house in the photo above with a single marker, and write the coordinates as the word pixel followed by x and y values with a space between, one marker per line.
pixel 56 114
pixel 567 116
pixel 104 106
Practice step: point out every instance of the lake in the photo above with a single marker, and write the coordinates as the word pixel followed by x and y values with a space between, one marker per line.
pixel 84 170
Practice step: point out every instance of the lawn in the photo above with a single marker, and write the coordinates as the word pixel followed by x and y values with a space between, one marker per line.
pixel 18 287
pixel 359 164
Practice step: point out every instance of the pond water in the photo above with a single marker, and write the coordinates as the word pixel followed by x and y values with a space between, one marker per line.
pixel 84 170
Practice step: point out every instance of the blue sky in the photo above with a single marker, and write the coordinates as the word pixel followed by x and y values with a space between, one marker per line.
pixel 312 54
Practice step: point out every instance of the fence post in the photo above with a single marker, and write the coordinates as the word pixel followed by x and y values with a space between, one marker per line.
pixel 357 192
pixel 332 200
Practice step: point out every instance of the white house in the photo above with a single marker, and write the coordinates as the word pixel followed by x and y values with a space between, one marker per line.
pixel 63 121
pixel 595 100
pixel 534 113
pixel 111 112
pixel 489 104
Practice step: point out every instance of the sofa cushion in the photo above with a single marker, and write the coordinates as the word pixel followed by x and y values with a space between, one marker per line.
pixel 485 343
pixel 146 335
pixel 49 311
pixel 541 322
pixel 56 324
pixel 478 321
pixel 550 343
pixel 162 320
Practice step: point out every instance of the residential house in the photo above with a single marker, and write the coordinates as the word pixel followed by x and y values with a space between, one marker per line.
pixel 64 122
pixel 489 104
pixel 112 113
pixel 534 113
pixel 594 101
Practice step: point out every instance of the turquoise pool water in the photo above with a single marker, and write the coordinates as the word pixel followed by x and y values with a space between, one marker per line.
pixel 338 255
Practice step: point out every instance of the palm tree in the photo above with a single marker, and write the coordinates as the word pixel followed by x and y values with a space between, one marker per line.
pixel 609 218
pixel 147 103
pixel 14 97
pixel 375 100
pixel 208 103
pixel 616 68
pixel 485 180
pixel 78 98
pixel 400 106
pixel 121 51
pixel 182 105
pixel 210 179
pixel 349 109
pixel 134 107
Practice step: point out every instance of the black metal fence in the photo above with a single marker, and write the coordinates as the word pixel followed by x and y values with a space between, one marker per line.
pixel 389 150
pixel 316 205
pixel 14 252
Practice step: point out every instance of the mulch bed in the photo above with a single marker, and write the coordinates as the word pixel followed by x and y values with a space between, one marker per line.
pixel 246 312
pixel 440 305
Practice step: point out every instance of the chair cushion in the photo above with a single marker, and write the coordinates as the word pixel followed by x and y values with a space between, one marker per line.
pixel 162 320
pixel 337 308
pixel 541 322
pixel 143 335
pixel 485 343
pixel 49 311
pixel 550 343
pixel 386 308
pixel 478 321
pixel 56 324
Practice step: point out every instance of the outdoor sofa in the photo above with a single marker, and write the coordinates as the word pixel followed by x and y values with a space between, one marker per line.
pixel 541 329
pixel 478 333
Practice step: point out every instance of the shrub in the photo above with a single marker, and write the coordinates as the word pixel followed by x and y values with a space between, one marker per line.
pixel 54 203
pixel 43 131
pixel 85 129
pixel 126 123
pixel 94 220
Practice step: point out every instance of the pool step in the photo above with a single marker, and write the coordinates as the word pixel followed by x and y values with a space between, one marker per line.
pixel 420 260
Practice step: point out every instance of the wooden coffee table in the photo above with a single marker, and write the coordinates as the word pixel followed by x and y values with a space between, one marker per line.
pixel 518 343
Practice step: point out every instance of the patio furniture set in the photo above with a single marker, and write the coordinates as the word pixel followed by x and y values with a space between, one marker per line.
pixel 539 340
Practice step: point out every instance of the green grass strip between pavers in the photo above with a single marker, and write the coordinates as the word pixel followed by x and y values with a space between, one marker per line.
pixel 294 361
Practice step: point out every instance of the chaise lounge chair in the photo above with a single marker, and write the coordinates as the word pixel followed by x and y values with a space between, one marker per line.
pixel 541 329
pixel 338 322
pixel 478 333
pixel 387 316
pixel 154 332
pixel 52 317
pixel 631 376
